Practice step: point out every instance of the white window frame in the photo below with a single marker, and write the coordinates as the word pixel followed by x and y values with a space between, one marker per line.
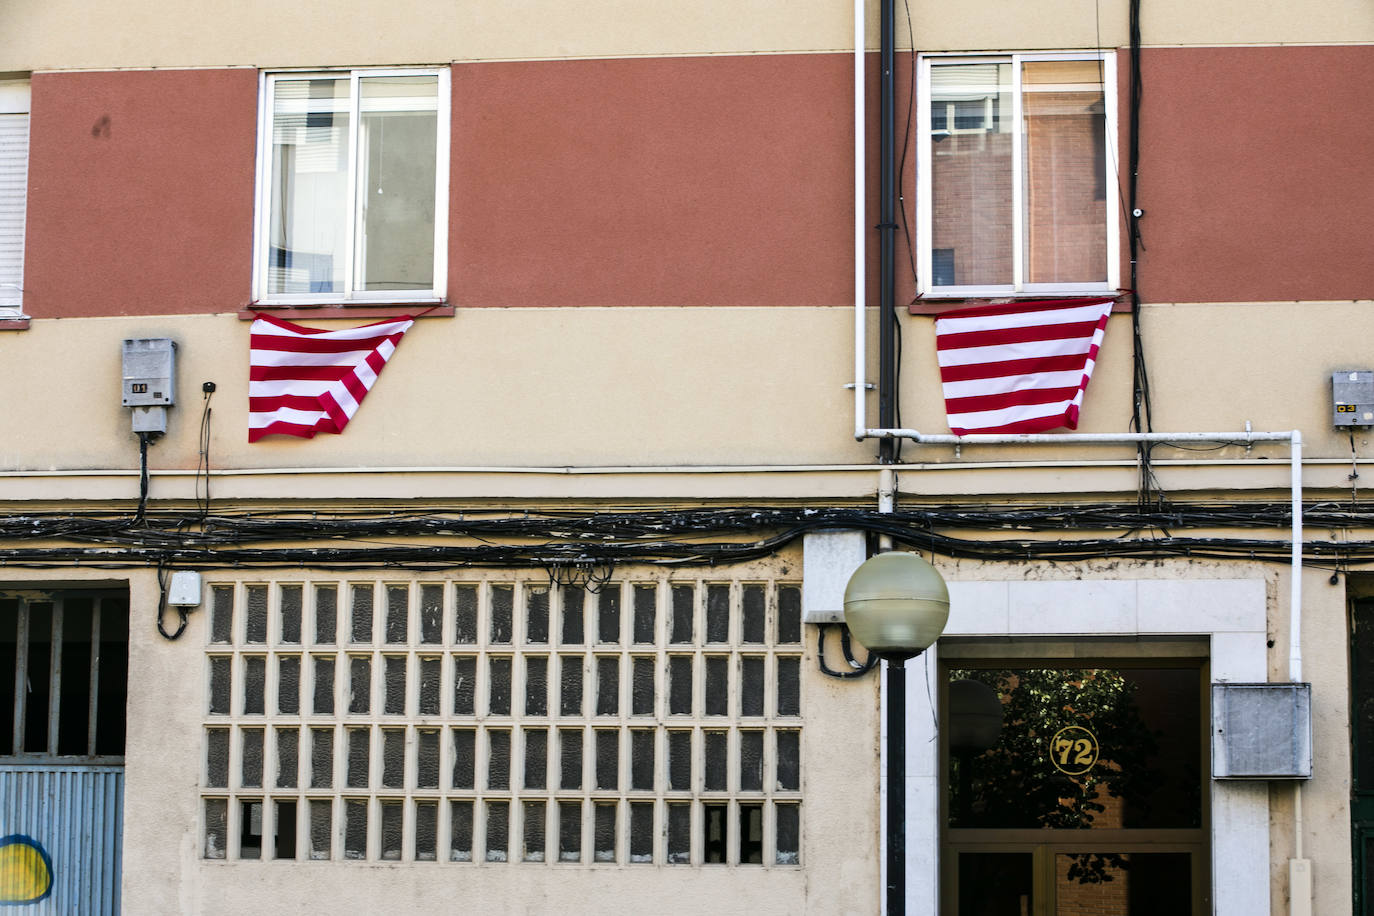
pixel 262 214
pixel 14 100
pixel 1019 287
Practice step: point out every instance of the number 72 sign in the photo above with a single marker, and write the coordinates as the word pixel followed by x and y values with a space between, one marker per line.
pixel 1073 750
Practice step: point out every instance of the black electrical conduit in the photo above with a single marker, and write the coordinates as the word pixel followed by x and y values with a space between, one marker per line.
pixel 887 235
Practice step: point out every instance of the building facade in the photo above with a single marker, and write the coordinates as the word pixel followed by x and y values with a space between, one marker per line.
pixel 551 625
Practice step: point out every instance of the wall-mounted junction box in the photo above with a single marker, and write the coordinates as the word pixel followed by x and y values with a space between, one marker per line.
pixel 1262 731
pixel 1352 398
pixel 829 558
pixel 184 590
pixel 149 370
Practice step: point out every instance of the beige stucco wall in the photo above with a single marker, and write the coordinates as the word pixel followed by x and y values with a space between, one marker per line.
pixel 540 403
pixel 164 871
pixel 61 34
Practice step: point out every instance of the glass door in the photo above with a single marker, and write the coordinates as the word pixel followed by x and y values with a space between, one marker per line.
pixel 1074 785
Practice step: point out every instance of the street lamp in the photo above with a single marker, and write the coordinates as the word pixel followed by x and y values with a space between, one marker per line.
pixel 896 605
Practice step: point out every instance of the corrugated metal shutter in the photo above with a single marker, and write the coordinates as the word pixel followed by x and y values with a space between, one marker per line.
pixel 76 815
pixel 14 165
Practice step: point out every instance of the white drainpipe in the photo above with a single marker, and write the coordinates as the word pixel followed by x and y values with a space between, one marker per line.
pixel 860 218
pixel 1293 437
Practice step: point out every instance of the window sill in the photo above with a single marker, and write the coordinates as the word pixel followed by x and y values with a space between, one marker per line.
pixel 937 305
pixel 339 310
pixel 14 323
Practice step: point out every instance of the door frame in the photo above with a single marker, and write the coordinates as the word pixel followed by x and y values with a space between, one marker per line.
pixel 1231 613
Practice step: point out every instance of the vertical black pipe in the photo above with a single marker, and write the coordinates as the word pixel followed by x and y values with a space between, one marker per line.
pixel 896 787
pixel 887 234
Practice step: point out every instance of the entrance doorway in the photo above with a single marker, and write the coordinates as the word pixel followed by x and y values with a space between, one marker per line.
pixel 1074 779
pixel 63 687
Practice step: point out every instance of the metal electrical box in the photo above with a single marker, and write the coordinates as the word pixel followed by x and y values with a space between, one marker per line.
pixel 1262 731
pixel 1352 398
pixel 149 372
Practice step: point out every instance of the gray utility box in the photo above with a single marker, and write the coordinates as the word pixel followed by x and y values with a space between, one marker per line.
pixel 1262 731
pixel 1352 398
pixel 149 371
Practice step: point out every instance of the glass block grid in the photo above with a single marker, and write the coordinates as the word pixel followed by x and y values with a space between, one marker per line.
pixel 652 720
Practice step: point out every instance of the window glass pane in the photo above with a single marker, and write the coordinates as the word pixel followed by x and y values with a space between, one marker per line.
pixel 679 834
pixel 392 814
pixel 321 758
pixel 787 840
pixel 397 613
pixel 217 757
pixel 536 685
pixel 464 757
pixel 574 602
pixel 308 228
pixel 641 831
pixel 971 172
pixel 288 684
pixel 607 759
pixel 460 831
pixel 361 619
pixel 359 757
pixel 1077 748
pixel 604 833
pixel 570 755
pixel 291 599
pixel 254 684
pixel 321 828
pixel 216 827
pixel 642 759
pixel 431 614
pixel 394 758
pixel 1133 883
pixel 426 831
pixel 498 831
pixel 1065 161
pixel 645 613
pixel 394 670
pixel 534 813
pixel 222 614
pixel 396 160
pixel 502 612
pixel 288 757
pixel 537 615
pixel 326 614
pixel 465 613
pixel 355 828
pixel 256 626
pixel 498 760
pixel 536 757
pixel 324 685
pixel 569 831
pixel 427 762
pixel 995 882
pixel 464 684
pixel 429 686
pixel 684 607
pixel 251 774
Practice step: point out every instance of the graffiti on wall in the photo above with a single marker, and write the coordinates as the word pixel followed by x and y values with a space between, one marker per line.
pixel 25 870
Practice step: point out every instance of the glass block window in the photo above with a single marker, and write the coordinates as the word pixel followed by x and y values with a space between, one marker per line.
pixel 500 719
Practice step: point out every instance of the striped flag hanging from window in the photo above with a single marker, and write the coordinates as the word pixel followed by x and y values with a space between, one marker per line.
pixel 304 381
pixel 1019 368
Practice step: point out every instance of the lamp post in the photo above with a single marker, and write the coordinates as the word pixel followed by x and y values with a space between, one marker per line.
pixel 896 605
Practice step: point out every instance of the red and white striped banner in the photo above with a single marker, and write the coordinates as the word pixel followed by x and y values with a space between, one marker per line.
pixel 1019 368
pixel 304 381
